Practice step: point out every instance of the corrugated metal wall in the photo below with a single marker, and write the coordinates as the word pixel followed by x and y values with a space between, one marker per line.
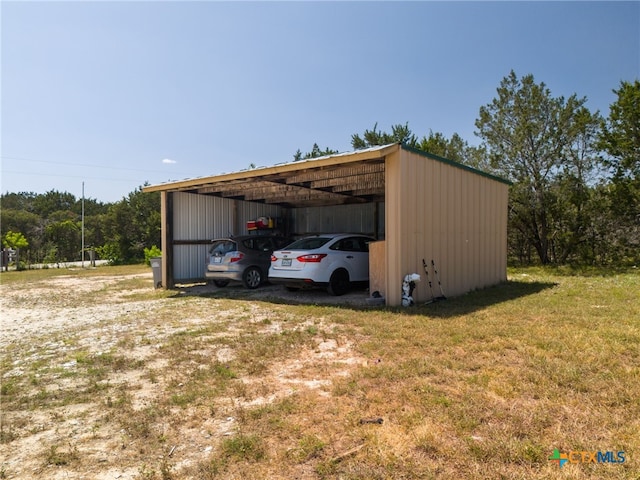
pixel 359 218
pixel 440 212
pixel 188 262
pixel 201 218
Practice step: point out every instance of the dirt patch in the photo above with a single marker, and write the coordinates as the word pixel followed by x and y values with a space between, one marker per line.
pixel 103 381
pixel 60 304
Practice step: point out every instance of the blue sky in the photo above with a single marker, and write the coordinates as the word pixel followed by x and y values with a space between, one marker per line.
pixel 115 94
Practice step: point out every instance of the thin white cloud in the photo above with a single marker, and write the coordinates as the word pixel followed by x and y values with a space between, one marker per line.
pixel 168 161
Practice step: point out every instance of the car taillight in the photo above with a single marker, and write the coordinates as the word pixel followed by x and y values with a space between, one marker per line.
pixel 312 257
pixel 274 258
pixel 236 256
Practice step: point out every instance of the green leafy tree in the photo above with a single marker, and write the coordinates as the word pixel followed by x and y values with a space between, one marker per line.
pixel 66 236
pixel 14 240
pixel 17 216
pixel 620 141
pixel 314 153
pixel 121 238
pixel 454 148
pixel 530 136
pixel 371 138
pixel 438 144
pixel 620 136
pixel 131 225
pixel 18 220
pixel 572 189
pixel 53 201
pixel 22 201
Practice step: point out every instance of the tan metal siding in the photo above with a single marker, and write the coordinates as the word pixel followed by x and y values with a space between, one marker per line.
pixel 377 264
pixel 447 214
pixel 393 234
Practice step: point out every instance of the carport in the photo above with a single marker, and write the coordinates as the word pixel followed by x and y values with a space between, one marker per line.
pixel 418 205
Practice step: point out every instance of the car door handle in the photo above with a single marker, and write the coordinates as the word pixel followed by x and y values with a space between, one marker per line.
pixel 349 256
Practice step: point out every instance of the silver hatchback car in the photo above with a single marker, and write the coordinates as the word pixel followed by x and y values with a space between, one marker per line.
pixel 244 258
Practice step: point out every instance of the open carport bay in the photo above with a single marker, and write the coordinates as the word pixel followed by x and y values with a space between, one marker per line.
pixel 420 206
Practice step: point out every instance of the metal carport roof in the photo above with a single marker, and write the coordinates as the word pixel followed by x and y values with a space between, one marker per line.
pixel 352 177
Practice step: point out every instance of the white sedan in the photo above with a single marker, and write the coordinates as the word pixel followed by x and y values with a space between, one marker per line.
pixel 335 261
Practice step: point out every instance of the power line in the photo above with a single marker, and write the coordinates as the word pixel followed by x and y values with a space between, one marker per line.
pixel 72 164
pixel 68 176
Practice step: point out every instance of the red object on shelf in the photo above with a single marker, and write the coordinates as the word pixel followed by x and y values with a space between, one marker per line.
pixel 261 223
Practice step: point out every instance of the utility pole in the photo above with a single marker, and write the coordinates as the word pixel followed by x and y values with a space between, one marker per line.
pixel 82 225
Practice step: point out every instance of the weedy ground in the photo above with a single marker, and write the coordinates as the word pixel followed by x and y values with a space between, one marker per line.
pixel 105 377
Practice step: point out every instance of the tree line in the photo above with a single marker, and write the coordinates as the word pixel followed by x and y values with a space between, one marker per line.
pixel 574 198
pixel 576 174
pixel 48 227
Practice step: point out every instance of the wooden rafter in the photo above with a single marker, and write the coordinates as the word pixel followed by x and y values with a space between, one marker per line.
pixel 350 180
pixel 338 184
pixel 326 173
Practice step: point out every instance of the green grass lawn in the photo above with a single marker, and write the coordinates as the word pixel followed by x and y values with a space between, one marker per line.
pixel 487 385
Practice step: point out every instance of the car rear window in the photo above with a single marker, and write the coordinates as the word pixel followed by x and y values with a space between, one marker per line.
pixel 351 244
pixel 222 247
pixel 308 243
pixel 262 244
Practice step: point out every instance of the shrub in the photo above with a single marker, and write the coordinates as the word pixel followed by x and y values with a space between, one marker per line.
pixel 149 253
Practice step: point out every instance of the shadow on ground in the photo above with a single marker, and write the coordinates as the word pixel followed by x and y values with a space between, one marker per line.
pixel 357 299
pixel 481 299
